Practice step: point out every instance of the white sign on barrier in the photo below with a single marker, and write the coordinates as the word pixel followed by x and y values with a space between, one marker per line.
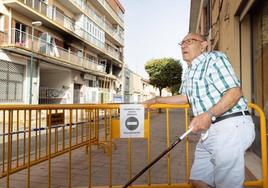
pixel 131 121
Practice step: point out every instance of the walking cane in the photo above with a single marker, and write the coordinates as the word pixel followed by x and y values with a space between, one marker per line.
pixel 158 158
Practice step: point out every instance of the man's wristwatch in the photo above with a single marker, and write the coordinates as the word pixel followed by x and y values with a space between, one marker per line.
pixel 211 115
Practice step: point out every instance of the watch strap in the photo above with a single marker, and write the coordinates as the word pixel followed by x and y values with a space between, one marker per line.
pixel 210 114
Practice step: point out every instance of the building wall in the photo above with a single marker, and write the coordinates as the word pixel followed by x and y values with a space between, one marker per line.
pixel 75 38
pixel 239 29
pixel 139 89
pixel 259 53
pixel 246 75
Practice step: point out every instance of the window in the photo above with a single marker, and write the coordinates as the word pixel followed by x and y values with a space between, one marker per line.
pixel 36 5
pixel 11 82
pixel 80 54
pixel 53 48
pixel 44 43
pixel 20 34
pixel 92 29
pixel 48 45
pixel 92 83
pixel 59 14
pixel 2 22
pixel 127 84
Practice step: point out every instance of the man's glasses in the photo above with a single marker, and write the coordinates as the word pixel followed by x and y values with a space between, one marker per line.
pixel 189 41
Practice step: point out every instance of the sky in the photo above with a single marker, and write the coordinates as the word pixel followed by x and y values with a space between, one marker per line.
pixel 153 29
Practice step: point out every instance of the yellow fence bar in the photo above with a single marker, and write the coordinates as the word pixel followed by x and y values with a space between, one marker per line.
pixel 110 149
pixel 187 145
pixel 129 158
pixel 49 148
pixel 29 149
pixel 9 150
pixel 148 149
pixel 89 156
pixel 263 143
pixel 70 150
pixel 4 150
pixel 168 144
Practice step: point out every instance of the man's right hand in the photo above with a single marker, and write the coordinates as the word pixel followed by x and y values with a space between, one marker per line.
pixel 200 123
pixel 177 99
pixel 149 102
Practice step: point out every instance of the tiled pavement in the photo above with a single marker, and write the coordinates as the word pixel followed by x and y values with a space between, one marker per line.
pixel 100 160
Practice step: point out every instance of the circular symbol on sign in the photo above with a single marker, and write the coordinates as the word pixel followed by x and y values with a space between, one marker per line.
pixel 132 123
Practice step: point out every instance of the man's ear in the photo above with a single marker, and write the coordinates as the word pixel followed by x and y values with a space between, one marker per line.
pixel 204 45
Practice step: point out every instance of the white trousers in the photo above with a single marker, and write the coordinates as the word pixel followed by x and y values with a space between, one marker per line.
pixel 219 158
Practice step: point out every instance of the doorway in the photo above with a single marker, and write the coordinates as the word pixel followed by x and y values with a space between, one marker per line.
pixel 77 88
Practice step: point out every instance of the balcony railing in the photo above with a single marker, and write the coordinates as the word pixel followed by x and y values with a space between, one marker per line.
pixel 107 49
pixel 112 52
pixel 88 37
pixel 69 24
pixel 37 5
pixel 61 19
pixel 112 12
pixel 24 40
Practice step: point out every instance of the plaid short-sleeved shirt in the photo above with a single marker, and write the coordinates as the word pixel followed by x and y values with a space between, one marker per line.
pixel 207 79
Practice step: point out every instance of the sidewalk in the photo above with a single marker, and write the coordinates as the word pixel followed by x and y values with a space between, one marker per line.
pixel 100 160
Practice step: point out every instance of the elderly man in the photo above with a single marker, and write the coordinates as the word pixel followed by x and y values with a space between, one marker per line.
pixel 213 91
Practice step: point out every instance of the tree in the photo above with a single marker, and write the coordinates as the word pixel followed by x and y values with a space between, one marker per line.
pixel 165 72
pixel 175 89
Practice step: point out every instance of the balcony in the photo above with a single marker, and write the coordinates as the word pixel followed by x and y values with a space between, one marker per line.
pixel 112 52
pixel 99 20
pixel 107 49
pixel 89 38
pixel 117 17
pixel 64 23
pixel 21 42
pixel 106 8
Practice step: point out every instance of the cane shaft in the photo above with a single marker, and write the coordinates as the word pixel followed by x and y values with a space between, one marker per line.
pixel 158 158
pixel 152 163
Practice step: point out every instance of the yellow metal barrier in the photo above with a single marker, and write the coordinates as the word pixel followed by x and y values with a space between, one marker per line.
pixel 147 128
pixel 264 181
pixel 31 135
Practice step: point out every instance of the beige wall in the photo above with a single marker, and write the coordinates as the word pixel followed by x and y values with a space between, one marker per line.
pixel 142 90
pixel 246 58
pixel 137 84
pixel 231 32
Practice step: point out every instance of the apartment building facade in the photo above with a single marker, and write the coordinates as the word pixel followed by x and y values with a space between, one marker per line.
pixel 240 29
pixel 61 51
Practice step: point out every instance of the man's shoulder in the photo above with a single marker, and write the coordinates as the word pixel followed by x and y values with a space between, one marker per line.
pixel 217 57
pixel 216 54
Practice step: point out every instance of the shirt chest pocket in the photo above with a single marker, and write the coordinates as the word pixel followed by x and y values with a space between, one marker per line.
pixel 199 88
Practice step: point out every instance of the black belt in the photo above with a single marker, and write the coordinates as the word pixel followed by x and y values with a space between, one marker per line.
pixel 231 115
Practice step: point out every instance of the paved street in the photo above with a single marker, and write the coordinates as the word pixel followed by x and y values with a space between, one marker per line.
pixel 100 160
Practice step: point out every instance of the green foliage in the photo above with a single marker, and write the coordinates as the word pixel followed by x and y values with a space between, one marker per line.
pixel 175 89
pixel 165 72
